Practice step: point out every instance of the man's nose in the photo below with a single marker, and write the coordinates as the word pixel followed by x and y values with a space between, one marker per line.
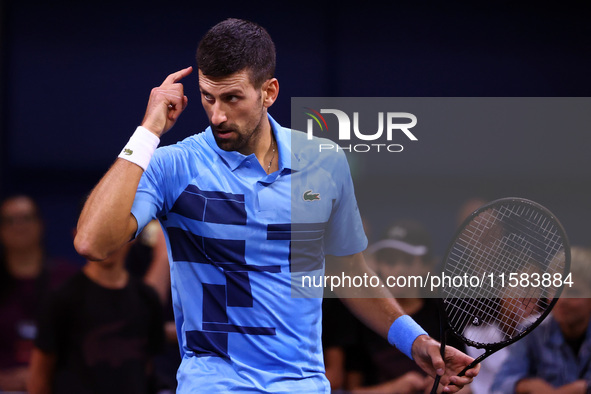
pixel 218 115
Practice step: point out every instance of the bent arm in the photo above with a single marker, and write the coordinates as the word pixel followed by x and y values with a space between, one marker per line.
pixel 106 222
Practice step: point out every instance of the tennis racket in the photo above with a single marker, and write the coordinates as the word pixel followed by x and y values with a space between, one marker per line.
pixel 506 268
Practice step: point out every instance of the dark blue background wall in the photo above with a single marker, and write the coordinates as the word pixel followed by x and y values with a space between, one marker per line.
pixel 76 76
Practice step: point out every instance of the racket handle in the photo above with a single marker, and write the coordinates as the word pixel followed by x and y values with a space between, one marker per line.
pixel 442 352
pixel 435 384
pixel 442 349
pixel 438 378
pixel 472 364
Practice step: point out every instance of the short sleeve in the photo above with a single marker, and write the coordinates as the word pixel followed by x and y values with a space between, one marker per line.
pixel 345 234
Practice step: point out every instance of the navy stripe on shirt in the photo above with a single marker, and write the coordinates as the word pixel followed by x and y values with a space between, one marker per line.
pixel 186 246
pixel 211 206
pixel 306 247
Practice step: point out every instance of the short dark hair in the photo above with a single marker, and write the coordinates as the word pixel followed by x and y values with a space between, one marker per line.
pixel 234 45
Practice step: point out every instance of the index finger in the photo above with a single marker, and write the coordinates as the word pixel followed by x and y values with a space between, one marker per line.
pixel 177 76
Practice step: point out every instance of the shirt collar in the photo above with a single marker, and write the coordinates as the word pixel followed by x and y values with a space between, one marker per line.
pixel 283 137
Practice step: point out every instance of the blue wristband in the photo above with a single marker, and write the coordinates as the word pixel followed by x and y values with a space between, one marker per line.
pixel 403 333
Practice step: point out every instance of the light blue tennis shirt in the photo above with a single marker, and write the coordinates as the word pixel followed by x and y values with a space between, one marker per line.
pixel 235 237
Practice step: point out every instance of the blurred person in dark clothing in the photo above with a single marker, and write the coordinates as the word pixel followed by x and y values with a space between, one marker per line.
pixel 556 356
pixel 99 333
pixel 27 274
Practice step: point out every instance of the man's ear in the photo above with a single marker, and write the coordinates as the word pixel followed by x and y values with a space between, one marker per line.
pixel 270 91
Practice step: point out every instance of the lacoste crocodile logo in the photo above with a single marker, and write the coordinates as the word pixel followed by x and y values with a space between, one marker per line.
pixel 309 196
pixel 127 152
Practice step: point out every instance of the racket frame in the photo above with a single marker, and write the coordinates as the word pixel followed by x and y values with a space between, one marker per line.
pixel 445 325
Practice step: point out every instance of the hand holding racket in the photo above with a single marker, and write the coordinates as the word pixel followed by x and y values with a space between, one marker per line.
pixel 517 255
pixel 447 367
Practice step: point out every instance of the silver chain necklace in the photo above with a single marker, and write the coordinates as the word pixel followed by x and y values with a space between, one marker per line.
pixel 272 157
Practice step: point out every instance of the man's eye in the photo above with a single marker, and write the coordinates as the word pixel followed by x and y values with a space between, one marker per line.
pixel 232 99
pixel 207 97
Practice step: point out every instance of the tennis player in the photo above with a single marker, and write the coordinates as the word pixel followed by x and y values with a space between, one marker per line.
pixel 243 211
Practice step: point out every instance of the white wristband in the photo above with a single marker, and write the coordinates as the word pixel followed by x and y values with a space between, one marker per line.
pixel 140 147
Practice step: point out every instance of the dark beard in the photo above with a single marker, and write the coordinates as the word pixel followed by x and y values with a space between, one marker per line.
pixel 229 145
pixel 239 140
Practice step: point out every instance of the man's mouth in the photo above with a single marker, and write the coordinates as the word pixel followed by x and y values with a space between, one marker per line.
pixel 223 133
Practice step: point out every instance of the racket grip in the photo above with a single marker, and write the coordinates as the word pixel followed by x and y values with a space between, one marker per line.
pixel 442 352
pixel 462 373
pixel 435 384
pixel 472 364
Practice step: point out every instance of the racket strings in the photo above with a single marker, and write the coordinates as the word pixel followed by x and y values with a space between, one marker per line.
pixel 500 241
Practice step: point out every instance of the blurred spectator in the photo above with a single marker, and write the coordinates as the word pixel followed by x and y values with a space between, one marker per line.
pixel 99 333
pixel 371 363
pixel 27 275
pixel 468 207
pixel 556 356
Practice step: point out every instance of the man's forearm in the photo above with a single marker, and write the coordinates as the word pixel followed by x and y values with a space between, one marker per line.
pixel 106 222
pixel 373 305
pixel 376 313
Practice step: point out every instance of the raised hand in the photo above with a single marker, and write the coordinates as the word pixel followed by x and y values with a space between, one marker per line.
pixel 166 103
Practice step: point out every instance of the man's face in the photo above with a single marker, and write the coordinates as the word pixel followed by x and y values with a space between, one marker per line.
pixel 572 311
pixel 20 225
pixel 235 110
